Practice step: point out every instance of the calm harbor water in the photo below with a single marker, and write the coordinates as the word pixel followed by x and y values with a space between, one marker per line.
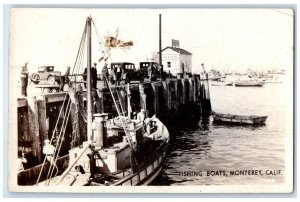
pixel 206 153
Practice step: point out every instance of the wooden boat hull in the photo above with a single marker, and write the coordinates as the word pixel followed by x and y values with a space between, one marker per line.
pixel 237 119
pixel 148 173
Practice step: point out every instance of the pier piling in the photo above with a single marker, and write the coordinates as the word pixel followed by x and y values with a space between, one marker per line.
pixel 34 128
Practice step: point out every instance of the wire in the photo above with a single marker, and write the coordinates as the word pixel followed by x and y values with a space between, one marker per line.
pixel 101 42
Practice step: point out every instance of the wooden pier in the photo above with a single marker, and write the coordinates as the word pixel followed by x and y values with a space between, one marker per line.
pixel 170 100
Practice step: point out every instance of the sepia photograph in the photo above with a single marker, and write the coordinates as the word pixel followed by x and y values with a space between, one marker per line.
pixel 157 100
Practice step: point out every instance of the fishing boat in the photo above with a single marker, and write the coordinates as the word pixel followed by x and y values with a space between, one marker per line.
pixel 214 76
pixel 249 83
pixel 238 119
pixel 119 150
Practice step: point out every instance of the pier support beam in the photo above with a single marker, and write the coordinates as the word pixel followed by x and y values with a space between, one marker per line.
pixel 155 98
pixel 183 92
pixel 167 96
pixel 34 128
pixel 42 117
pixel 191 90
pixel 175 99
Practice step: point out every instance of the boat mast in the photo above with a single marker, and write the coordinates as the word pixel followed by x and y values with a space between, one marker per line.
pixel 89 80
pixel 160 56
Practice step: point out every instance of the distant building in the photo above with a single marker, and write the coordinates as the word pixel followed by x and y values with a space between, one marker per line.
pixel 176 60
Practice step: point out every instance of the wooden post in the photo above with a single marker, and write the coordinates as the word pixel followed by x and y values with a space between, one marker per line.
pixel 24 138
pixel 25 127
pixel 183 91
pixel 155 101
pixel 207 96
pixel 167 96
pixel 194 88
pixel 176 95
pixel 172 96
pixel 42 117
pixel 34 128
pixel 191 89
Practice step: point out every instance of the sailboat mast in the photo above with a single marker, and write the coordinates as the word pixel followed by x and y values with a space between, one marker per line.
pixel 89 80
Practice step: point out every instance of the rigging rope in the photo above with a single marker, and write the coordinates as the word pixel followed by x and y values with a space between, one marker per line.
pixel 60 139
pixel 101 42
pixel 78 57
pixel 54 131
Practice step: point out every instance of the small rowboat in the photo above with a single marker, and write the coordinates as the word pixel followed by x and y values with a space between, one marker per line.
pixel 249 83
pixel 237 119
pixel 222 83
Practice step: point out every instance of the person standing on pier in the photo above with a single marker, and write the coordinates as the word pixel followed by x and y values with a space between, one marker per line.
pixel 118 74
pixel 64 79
pixel 105 75
pixel 49 151
pixel 203 68
pixel 94 76
pixel 24 79
pixel 66 75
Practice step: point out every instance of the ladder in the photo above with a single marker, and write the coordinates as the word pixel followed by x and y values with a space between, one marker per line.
pixel 119 104
pixel 121 113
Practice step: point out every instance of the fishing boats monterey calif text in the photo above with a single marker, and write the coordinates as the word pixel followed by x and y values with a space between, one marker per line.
pixel 237 119
pixel 119 150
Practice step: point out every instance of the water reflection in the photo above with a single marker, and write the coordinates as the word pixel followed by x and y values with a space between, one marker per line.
pixel 204 122
pixel 189 142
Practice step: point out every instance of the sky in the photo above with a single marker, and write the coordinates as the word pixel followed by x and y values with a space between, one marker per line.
pixel 223 39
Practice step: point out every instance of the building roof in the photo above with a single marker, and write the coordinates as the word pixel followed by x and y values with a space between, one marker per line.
pixel 178 50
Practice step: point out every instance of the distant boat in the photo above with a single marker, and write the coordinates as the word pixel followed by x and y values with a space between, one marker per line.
pixel 214 77
pixel 249 83
pixel 230 83
pixel 237 119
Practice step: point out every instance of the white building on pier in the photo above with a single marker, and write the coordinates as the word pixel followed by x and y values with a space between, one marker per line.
pixel 176 60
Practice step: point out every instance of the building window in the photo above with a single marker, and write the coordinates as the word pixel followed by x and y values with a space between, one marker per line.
pixel 169 64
